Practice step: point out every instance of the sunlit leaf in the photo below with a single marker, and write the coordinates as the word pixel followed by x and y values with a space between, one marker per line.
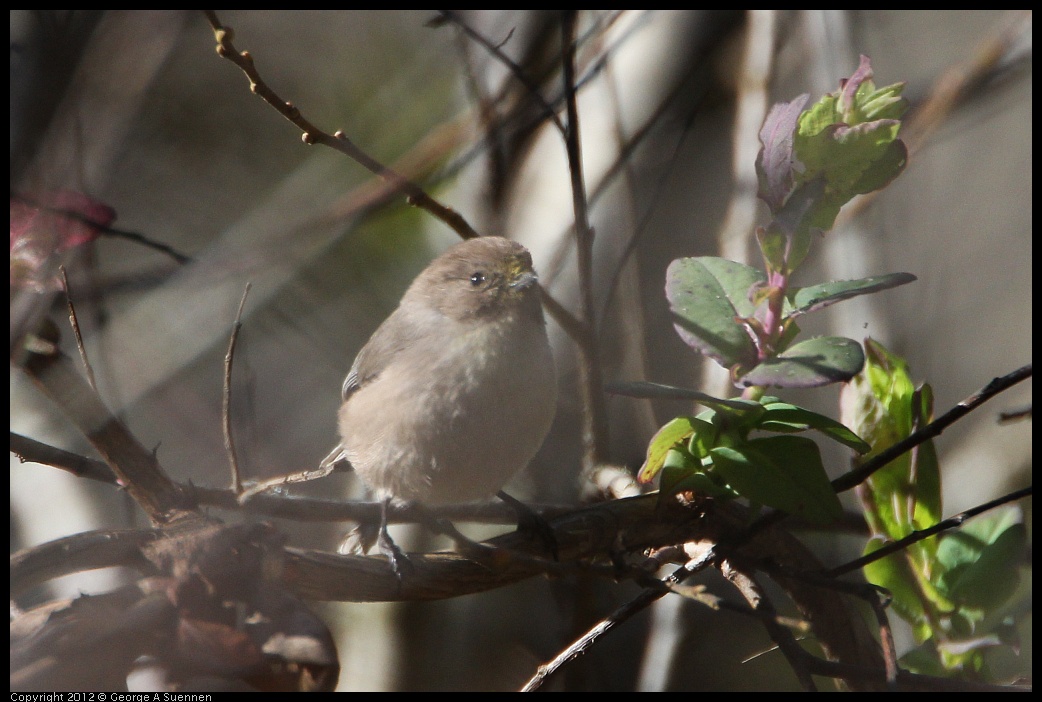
pixel 706 295
pixel 811 363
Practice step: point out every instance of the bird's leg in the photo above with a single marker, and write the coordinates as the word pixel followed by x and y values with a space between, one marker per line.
pixel 530 522
pixel 399 561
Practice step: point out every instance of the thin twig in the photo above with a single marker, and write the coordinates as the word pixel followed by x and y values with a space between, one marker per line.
pixel 886 641
pixel 595 429
pixel 934 428
pixel 282 506
pixel 136 237
pixel 745 582
pixel 33 451
pixel 882 459
pixel 516 70
pixel 866 591
pixel 949 523
pixel 415 195
pixel 74 322
pixel 311 134
pixel 638 604
pixel 226 410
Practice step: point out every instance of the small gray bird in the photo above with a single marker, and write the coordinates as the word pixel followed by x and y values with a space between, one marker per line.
pixel 455 391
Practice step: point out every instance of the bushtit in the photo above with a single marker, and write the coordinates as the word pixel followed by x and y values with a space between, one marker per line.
pixel 455 391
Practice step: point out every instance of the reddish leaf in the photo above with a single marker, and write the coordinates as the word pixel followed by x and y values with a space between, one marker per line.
pixel 49 224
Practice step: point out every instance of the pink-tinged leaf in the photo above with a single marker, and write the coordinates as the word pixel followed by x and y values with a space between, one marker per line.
pixel 775 162
pixel 47 224
pixel 849 86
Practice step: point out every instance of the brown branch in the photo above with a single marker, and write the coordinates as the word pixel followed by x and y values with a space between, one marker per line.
pixel 311 134
pixel 281 506
pixel 135 467
pixel 595 422
pixel 32 451
pixel 74 322
pixel 31 567
pixel 226 408
pixel 638 604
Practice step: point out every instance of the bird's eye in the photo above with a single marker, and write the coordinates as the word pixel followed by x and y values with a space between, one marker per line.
pixel 477 279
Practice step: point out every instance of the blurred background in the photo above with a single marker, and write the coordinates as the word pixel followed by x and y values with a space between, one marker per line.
pixel 136 110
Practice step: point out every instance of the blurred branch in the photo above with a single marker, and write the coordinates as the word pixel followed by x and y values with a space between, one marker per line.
pixel 753 77
pixel 74 322
pixel 136 237
pixel 135 467
pixel 515 70
pixel 595 421
pixel 963 81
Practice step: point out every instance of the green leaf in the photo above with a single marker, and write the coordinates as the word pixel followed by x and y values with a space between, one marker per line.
pixel 811 363
pixel 704 437
pixel 665 439
pixel 784 472
pixel 852 160
pixel 705 295
pixel 661 391
pixel 893 573
pixel 882 406
pixel 981 559
pixel 698 482
pixel 849 139
pixel 794 418
pixel 816 297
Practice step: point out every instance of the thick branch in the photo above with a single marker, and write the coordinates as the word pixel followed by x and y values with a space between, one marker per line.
pixel 135 467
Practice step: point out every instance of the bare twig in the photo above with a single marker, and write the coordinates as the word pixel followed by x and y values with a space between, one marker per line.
pixel 74 322
pixel 934 428
pixel 882 459
pixel 886 641
pixel 514 69
pixel 949 523
pixel 32 451
pixel 282 506
pixel 744 580
pixel 338 141
pixel 311 134
pixel 638 604
pixel 595 424
pixel 226 409
pixel 136 237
